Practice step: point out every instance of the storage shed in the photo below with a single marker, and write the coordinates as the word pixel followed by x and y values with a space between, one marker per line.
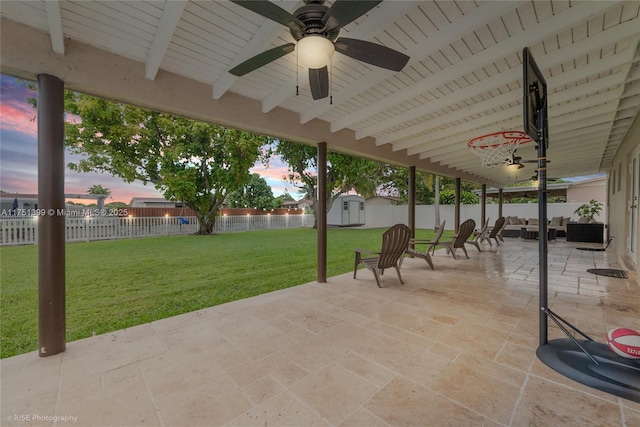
pixel 346 210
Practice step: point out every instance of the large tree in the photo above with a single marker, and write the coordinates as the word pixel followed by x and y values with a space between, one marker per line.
pixel 255 194
pixel 344 172
pixel 196 163
pixel 394 180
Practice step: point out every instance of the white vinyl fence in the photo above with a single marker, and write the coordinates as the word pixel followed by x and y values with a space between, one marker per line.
pixel 22 231
pixel 385 216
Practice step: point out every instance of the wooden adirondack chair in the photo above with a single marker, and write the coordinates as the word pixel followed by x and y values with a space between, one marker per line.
pixel 394 244
pixel 460 238
pixel 431 246
pixel 478 235
pixel 494 232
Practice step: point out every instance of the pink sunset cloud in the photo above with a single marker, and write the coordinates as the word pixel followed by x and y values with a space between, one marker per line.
pixel 19 155
pixel 18 118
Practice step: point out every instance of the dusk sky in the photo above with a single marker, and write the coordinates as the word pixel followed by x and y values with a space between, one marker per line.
pixel 19 155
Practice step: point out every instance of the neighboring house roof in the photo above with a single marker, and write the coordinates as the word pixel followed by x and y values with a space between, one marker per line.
pixel 150 200
pixel 559 189
pixel 601 180
pixel 553 189
pixel 297 203
pixel 390 198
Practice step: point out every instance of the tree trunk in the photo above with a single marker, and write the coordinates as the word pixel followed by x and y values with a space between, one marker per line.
pixel 437 202
pixel 206 227
pixel 206 222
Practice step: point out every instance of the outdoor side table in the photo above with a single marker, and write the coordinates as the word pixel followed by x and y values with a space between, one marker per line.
pixel 585 232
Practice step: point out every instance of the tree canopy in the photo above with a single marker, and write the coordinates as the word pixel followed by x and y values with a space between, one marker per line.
pixel 394 180
pixel 99 190
pixel 254 194
pixel 344 172
pixel 193 162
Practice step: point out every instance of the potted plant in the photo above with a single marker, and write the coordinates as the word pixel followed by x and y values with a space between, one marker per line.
pixel 587 211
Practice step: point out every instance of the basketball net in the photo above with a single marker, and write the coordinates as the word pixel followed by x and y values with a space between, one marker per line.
pixel 497 149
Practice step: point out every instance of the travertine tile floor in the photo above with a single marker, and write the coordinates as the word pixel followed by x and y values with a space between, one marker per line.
pixel 454 346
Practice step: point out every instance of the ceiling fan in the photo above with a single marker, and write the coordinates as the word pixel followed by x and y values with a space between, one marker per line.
pixel 315 28
pixel 534 178
pixel 517 160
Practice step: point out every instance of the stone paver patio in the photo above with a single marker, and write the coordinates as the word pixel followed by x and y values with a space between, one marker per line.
pixel 454 346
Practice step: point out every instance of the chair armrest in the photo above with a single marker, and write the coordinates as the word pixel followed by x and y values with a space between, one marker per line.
pixel 420 241
pixel 365 251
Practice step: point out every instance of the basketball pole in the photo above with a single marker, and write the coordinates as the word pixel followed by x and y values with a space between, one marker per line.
pixel 542 214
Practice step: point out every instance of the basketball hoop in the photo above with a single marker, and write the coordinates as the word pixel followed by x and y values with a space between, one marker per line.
pixel 496 149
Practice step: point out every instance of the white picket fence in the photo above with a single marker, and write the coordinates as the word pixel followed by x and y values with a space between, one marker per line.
pixel 24 231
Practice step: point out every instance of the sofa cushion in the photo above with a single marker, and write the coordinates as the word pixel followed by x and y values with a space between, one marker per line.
pixel 533 221
pixel 556 221
pixel 565 220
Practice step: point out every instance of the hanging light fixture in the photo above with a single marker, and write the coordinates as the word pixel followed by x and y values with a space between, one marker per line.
pixel 315 51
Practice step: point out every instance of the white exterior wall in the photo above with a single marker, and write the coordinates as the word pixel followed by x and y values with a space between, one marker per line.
pixel 620 200
pixel 584 192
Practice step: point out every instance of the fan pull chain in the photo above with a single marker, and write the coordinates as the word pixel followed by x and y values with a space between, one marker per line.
pixel 331 83
pixel 297 75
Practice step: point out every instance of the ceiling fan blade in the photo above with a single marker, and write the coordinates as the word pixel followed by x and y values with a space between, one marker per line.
pixel 343 12
pixel 319 82
pixel 372 53
pixel 274 12
pixel 533 161
pixel 262 59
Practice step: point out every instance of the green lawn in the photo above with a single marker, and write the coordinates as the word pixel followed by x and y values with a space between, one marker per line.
pixel 116 284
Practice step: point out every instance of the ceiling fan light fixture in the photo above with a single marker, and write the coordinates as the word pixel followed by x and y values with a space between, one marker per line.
pixel 315 51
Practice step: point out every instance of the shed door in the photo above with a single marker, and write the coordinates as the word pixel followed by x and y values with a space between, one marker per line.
pixel 354 212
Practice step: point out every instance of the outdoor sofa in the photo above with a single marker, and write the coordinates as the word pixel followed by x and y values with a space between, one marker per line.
pixel 514 224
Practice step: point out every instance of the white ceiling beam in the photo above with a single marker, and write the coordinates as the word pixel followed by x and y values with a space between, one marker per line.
pixel 483 15
pixel 474 164
pixel 557 164
pixel 596 66
pixel 528 151
pixel 415 145
pixel 166 27
pixel 601 114
pixel 567 136
pixel 54 19
pixel 261 40
pixel 566 19
pixel 505 121
pixel 514 96
pixel 377 19
pixel 553 59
